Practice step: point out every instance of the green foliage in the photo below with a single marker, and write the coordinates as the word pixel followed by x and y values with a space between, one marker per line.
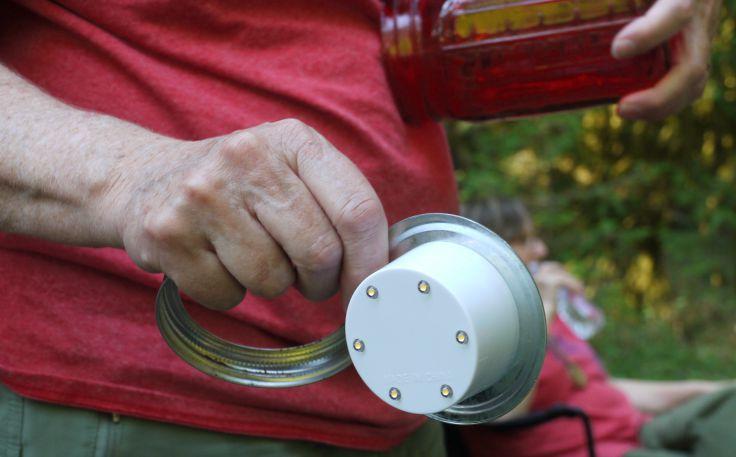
pixel 644 212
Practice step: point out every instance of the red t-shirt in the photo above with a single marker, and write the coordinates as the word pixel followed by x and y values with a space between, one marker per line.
pixel 78 325
pixel 614 420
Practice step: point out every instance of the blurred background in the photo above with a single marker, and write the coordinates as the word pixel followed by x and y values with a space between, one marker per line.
pixel 644 213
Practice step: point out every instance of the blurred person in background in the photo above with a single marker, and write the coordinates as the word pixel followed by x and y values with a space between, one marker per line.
pixel 572 373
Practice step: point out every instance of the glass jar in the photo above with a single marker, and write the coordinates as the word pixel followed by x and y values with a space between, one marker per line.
pixel 484 59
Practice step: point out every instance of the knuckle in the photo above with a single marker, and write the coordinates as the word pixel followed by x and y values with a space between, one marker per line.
pixel 199 188
pixel 165 228
pixel 324 253
pixel 361 214
pixel 240 146
pixel 250 153
pixel 311 150
pixel 293 126
pixel 270 277
pixel 301 141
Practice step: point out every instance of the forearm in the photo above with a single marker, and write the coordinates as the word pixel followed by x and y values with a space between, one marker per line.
pixel 656 397
pixel 56 164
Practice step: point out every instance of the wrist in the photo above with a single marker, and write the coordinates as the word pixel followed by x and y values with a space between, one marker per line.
pixel 111 203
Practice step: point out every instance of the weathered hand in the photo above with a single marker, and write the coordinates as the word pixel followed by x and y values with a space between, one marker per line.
pixel 697 20
pixel 260 208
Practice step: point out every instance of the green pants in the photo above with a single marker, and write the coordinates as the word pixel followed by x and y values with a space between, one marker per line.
pixel 702 427
pixel 35 429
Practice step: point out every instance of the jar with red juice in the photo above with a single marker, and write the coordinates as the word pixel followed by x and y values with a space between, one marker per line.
pixel 486 59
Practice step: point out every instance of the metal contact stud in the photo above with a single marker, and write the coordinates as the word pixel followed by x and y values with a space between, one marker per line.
pixel 394 393
pixel 446 391
pixel 372 292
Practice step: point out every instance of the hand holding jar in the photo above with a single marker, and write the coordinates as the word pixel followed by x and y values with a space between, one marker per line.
pixel 696 21
pixel 485 59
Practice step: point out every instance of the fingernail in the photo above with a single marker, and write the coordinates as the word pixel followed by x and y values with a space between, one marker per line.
pixel 623 48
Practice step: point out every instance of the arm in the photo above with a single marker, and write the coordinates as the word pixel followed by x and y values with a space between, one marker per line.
pixel 56 163
pixel 260 208
pixel 656 397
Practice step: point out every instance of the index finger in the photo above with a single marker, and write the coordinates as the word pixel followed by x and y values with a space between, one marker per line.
pixel 351 205
pixel 661 22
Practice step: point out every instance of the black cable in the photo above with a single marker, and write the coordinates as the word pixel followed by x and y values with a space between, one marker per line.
pixel 555 412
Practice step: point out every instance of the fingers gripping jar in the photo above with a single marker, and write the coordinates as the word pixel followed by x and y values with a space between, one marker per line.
pixel 484 59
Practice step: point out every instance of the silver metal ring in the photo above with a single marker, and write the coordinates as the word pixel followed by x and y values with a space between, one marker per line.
pixel 299 365
pixel 245 365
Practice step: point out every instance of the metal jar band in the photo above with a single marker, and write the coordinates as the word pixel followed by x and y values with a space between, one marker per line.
pixel 299 365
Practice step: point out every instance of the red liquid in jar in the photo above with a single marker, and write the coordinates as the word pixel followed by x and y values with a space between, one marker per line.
pixel 471 59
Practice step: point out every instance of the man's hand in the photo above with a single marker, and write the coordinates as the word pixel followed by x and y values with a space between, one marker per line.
pixel 697 20
pixel 261 209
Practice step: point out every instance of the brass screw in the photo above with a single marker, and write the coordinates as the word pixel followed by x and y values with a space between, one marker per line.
pixel 358 345
pixel 446 391
pixel 423 287
pixel 394 393
pixel 372 292
pixel 461 337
